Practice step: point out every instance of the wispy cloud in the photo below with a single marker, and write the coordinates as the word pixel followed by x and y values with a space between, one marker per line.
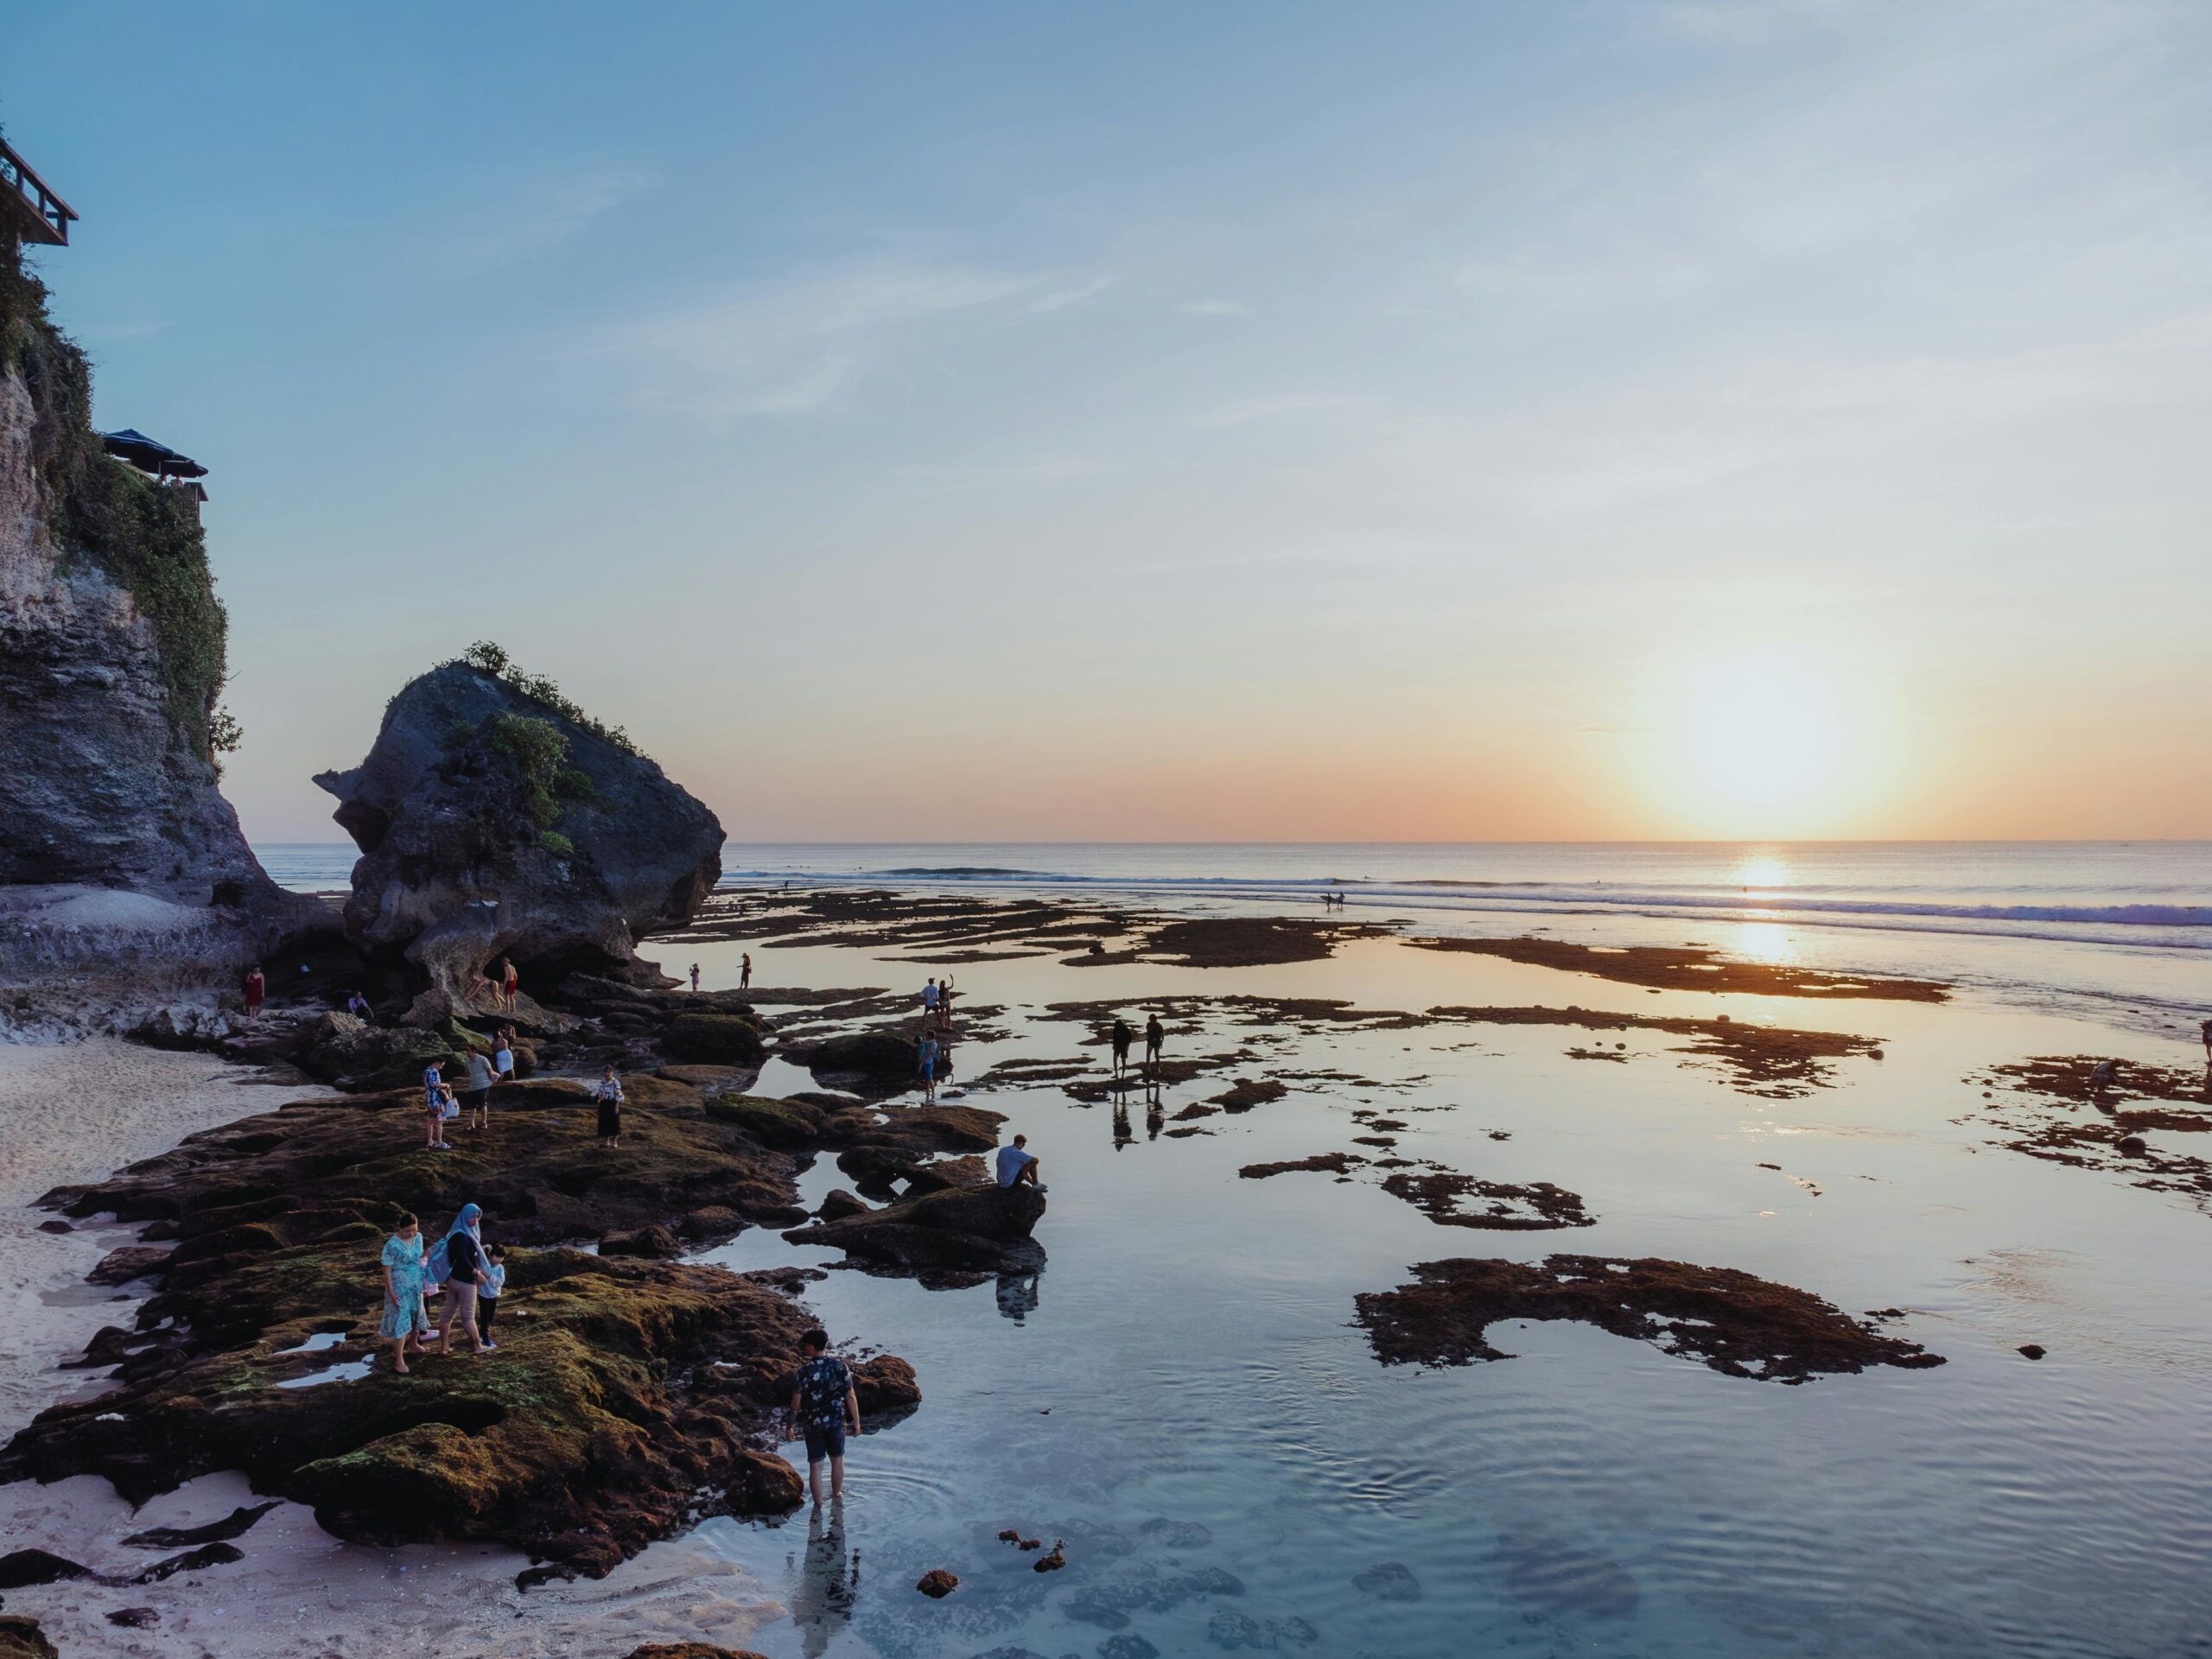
pixel 1286 408
pixel 1080 293
pixel 800 343
pixel 1213 308
pixel 539 216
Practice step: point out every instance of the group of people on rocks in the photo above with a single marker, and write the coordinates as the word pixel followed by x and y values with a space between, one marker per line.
pixel 744 973
pixel 487 1068
pixel 469 1275
pixel 933 1046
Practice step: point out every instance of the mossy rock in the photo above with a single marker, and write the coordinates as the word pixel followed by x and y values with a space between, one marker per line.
pixel 714 1038
pixel 21 1638
pixel 782 1124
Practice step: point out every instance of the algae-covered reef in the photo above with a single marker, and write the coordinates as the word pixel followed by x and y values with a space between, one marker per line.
pixel 626 1394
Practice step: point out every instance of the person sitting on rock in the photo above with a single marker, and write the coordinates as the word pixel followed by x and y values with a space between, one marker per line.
pixel 609 1097
pixel 357 1006
pixel 1018 1164
pixel 824 1408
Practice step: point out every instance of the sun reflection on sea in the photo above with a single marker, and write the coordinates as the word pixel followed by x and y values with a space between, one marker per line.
pixel 1761 871
pixel 1765 942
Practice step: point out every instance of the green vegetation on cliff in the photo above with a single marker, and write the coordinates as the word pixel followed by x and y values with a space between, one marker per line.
pixel 146 538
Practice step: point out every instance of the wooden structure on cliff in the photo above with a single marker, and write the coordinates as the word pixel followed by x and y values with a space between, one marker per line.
pixel 29 206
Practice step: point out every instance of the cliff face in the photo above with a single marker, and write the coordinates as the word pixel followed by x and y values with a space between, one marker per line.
pixel 111 652
pixel 495 820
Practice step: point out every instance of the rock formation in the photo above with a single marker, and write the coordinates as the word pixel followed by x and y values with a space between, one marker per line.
pixel 496 819
pixel 116 848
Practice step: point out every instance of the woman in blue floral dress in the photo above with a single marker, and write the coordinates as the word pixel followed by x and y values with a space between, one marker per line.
pixel 405 1319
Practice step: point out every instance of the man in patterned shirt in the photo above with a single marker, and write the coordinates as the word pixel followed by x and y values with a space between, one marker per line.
pixel 823 1407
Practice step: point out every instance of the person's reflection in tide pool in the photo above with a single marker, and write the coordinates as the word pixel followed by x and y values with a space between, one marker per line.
pixel 1122 1134
pixel 1017 1295
pixel 825 1582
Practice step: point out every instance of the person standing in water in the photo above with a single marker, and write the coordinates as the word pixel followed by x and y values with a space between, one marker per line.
pixel 1154 1035
pixel 824 1408
pixel 1121 1038
pixel 929 1051
pixel 745 972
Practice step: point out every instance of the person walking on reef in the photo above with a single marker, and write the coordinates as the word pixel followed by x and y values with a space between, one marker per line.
pixel 745 972
pixel 824 1409
pixel 256 989
pixel 405 1320
pixel 695 979
pixel 1122 1036
pixel 1017 1164
pixel 476 1099
pixel 462 1253
pixel 1154 1035
pixel 433 1106
pixel 609 1097
pixel 929 1052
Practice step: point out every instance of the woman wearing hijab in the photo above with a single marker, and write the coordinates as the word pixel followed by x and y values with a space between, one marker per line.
pixel 459 1258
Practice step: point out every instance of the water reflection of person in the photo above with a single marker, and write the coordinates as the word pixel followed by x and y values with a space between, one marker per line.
pixel 1155 1114
pixel 1122 1136
pixel 822 1599
pixel 1017 1295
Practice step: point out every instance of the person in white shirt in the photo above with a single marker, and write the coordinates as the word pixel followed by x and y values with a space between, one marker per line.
pixel 1017 1164
pixel 929 997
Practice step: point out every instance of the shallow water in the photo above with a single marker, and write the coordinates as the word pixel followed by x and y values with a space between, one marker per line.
pixel 1180 1388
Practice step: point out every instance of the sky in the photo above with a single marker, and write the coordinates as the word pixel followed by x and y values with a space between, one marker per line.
pixel 1246 421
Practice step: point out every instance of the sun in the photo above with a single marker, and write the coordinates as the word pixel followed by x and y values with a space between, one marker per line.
pixel 1762 744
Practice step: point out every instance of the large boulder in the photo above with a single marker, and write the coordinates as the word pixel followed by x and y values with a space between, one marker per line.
pixel 341 1049
pixel 982 1228
pixel 495 819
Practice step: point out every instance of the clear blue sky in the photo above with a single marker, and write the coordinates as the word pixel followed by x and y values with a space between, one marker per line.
pixel 1214 421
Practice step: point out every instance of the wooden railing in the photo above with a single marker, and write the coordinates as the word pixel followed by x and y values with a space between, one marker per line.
pixel 36 213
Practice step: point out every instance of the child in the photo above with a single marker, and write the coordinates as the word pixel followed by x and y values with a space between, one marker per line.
pixel 609 1095
pixel 487 1298
pixel 434 1093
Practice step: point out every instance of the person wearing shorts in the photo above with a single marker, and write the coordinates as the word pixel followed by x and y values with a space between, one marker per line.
pixel 465 1277
pixel 476 1099
pixel 824 1408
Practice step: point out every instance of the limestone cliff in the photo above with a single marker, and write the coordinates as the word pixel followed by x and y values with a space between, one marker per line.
pixel 117 847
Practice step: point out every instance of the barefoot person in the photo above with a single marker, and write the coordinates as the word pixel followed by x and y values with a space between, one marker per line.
pixel 462 1254
pixel 745 972
pixel 476 1099
pixel 1154 1035
pixel 487 1299
pixel 824 1409
pixel 609 1097
pixel 1122 1036
pixel 1018 1164
pixel 695 979
pixel 256 989
pixel 510 984
pixel 433 1106
pixel 929 1052
pixel 405 1319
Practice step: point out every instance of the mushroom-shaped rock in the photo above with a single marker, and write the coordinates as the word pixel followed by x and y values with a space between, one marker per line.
pixel 492 823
